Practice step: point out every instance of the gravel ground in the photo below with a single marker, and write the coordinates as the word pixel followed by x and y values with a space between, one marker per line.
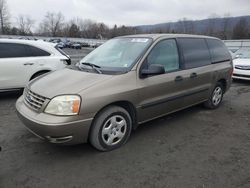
pixel 194 148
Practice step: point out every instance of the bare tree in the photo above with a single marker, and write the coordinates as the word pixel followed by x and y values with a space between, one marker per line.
pixel 52 24
pixel 185 26
pixel 212 25
pixel 4 16
pixel 241 29
pixel 25 24
pixel 226 28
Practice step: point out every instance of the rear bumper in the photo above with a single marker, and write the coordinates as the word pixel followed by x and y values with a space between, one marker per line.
pixel 54 129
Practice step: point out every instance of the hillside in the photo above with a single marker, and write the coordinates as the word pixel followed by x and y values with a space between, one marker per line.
pixel 199 26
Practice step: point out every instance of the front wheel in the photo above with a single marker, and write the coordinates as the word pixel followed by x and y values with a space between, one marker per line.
pixel 216 97
pixel 111 128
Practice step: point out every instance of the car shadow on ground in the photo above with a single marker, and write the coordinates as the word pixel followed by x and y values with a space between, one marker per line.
pixel 82 149
pixel 142 130
pixel 10 94
pixel 167 120
pixel 241 82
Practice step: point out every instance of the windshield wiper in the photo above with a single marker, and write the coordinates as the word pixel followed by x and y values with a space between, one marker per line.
pixel 95 67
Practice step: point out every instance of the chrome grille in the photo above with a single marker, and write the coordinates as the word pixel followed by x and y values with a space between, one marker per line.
pixel 33 100
pixel 242 67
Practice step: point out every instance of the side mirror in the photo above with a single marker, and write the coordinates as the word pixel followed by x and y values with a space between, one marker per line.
pixel 154 69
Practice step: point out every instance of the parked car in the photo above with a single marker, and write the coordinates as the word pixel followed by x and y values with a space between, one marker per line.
pixel 96 45
pixel 85 44
pixel 68 44
pixel 55 40
pixel 61 45
pixel 76 46
pixel 241 64
pixel 24 60
pixel 125 82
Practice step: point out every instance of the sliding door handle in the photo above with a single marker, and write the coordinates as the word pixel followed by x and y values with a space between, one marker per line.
pixel 193 75
pixel 178 78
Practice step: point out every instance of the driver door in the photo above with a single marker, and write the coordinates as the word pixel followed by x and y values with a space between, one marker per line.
pixel 159 94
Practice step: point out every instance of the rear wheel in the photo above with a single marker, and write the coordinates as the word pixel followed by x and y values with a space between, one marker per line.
pixel 111 128
pixel 216 97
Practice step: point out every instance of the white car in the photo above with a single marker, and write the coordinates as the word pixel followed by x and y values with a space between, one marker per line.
pixel 24 60
pixel 242 64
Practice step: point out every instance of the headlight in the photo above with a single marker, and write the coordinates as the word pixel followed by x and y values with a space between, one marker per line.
pixel 65 105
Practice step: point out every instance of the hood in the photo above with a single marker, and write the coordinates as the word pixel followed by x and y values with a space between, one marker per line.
pixel 241 62
pixel 65 81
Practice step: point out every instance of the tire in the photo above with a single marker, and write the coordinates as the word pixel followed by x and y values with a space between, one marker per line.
pixel 216 97
pixel 111 129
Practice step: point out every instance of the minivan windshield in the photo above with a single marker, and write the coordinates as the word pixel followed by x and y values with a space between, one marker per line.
pixel 117 54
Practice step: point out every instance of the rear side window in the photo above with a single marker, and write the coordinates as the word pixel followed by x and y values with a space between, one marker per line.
pixel 8 50
pixel 166 54
pixel 218 50
pixel 36 52
pixel 195 52
pixel 12 50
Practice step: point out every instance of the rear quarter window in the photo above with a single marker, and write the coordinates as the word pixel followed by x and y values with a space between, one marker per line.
pixel 218 50
pixel 195 52
pixel 37 52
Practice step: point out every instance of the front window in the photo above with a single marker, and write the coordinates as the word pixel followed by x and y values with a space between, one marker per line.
pixel 243 53
pixel 165 53
pixel 117 54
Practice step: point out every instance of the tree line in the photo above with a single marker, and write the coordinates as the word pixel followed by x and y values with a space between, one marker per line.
pixel 55 25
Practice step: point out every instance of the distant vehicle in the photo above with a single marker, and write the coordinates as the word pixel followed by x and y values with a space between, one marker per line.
pixel 24 60
pixel 55 40
pixel 85 44
pixel 76 46
pixel 61 45
pixel 96 45
pixel 125 82
pixel 241 64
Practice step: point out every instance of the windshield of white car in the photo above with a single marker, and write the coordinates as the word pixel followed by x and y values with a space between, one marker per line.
pixel 118 53
pixel 243 53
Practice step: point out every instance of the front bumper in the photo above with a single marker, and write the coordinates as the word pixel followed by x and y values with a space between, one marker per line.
pixel 241 74
pixel 55 129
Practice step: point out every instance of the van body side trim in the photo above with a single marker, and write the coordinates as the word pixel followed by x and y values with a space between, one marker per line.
pixel 154 103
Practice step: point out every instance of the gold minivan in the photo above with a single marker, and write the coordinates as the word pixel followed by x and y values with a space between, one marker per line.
pixel 125 82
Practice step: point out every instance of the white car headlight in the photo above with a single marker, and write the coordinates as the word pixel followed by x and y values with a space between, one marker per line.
pixel 65 105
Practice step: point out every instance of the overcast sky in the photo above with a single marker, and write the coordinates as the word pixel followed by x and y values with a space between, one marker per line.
pixel 129 12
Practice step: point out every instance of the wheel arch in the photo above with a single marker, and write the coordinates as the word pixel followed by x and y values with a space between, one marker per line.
pixel 224 84
pixel 39 72
pixel 128 106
